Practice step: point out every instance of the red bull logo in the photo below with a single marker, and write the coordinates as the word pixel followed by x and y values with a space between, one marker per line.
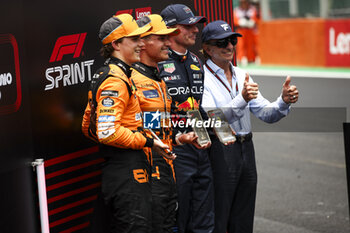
pixel 189 104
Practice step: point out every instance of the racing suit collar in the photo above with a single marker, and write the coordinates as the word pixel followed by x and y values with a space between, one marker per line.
pixel 173 54
pixel 125 67
pixel 149 71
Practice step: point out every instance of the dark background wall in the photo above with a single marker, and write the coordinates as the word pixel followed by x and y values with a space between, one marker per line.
pixel 48 53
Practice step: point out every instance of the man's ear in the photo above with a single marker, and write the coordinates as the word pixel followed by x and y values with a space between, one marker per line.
pixel 116 45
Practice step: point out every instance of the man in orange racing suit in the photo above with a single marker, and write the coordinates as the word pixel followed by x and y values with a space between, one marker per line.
pixel 155 101
pixel 113 118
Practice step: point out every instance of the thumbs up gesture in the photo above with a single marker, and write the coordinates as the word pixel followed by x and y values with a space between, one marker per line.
pixel 290 93
pixel 250 90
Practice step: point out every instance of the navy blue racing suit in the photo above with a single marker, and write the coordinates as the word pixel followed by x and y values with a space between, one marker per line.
pixel 183 75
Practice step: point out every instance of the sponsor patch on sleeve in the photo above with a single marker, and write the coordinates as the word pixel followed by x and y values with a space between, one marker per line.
pixel 107 110
pixel 105 125
pixel 106 133
pixel 106 118
pixel 151 94
pixel 107 102
pixel 110 93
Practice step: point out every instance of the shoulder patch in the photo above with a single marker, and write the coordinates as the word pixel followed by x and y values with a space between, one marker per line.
pixel 107 102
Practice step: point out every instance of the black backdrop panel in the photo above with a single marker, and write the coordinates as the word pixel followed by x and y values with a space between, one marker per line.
pixel 18 212
pixel 48 53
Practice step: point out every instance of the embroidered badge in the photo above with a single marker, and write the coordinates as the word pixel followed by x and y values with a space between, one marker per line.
pixel 107 102
pixel 109 93
pixel 151 94
pixel 170 68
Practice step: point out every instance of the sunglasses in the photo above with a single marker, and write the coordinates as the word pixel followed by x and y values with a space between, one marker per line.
pixel 222 43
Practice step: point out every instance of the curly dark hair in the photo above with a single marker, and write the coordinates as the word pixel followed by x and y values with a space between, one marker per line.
pixel 107 49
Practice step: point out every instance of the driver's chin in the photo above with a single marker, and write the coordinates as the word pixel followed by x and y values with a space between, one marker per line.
pixel 191 42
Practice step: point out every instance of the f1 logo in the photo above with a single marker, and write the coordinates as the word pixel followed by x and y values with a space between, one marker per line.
pixel 225 26
pixel 71 44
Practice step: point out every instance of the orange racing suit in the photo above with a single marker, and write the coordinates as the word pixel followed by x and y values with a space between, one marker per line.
pixel 154 98
pixel 153 95
pixel 117 116
pixel 113 118
pixel 245 22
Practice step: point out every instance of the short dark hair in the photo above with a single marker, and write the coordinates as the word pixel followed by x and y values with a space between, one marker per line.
pixel 107 49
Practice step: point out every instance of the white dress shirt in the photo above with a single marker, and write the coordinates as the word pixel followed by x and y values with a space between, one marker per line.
pixel 235 108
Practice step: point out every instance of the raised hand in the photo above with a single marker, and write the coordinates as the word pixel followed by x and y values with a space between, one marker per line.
pixel 250 90
pixel 290 93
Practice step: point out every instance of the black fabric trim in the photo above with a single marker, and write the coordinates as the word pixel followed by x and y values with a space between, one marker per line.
pixel 96 83
pixel 149 71
pixel 176 56
pixel 125 67
pixel 149 142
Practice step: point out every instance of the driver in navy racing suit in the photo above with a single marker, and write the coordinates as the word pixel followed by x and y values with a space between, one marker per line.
pixel 183 75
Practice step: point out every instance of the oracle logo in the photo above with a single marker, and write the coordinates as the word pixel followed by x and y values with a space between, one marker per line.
pixel 340 43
